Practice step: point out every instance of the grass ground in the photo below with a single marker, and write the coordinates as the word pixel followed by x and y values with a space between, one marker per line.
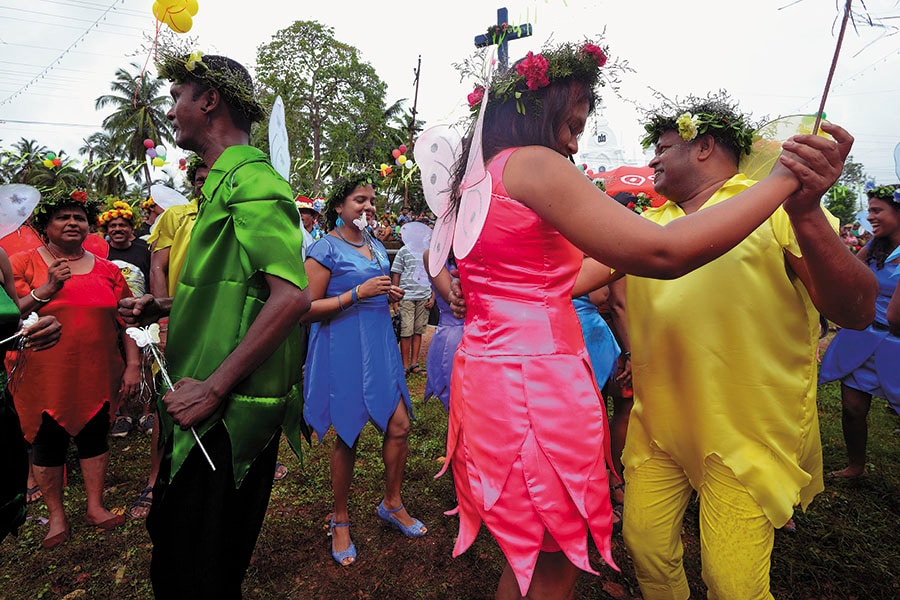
pixel 846 546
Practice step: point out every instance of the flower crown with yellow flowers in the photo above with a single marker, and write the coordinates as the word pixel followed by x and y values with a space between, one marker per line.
pixel 715 115
pixel 118 209
pixel 579 62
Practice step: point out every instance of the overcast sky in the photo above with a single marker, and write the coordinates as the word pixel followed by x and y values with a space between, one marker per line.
pixel 771 55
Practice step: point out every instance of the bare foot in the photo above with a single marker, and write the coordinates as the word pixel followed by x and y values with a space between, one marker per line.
pixel 848 473
pixel 57 527
pixel 104 518
pixel 790 526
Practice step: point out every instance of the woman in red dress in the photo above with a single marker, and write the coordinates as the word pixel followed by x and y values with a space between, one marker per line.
pixel 72 389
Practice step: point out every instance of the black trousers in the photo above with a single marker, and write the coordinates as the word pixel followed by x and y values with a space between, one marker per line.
pixel 13 468
pixel 203 529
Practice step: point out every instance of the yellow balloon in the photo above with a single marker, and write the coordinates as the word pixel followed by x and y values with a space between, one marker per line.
pixel 180 22
pixel 402 159
pixel 48 163
pixel 176 13
pixel 158 162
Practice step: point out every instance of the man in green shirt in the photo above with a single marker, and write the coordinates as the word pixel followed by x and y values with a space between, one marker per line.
pixel 234 342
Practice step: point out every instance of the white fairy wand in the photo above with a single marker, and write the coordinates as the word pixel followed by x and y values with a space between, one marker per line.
pixel 148 338
pixel 31 320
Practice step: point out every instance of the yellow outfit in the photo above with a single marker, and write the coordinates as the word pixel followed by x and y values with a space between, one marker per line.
pixel 724 373
pixel 173 231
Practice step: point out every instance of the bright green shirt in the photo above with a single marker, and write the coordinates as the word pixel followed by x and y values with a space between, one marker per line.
pixel 248 228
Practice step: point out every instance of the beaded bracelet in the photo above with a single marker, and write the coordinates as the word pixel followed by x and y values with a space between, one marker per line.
pixel 41 300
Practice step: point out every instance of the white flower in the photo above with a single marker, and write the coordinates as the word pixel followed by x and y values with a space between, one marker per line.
pixel 31 320
pixel 687 126
pixel 361 222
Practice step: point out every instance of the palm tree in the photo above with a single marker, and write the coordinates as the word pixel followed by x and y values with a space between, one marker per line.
pixel 30 153
pixel 139 113
pixel 64 176
pixel 104 173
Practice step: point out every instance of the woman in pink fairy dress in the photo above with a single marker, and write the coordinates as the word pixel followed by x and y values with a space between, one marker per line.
pixel 527 428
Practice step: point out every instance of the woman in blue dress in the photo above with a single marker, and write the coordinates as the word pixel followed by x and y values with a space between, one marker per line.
pixel 354 374
pixel 866 361
pixel 445 340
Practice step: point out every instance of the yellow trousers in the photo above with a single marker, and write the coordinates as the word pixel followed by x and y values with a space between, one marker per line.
pixel 736 538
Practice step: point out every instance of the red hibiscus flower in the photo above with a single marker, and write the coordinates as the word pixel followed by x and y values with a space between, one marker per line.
pixel 534 68
pixel 596 52
pixel 630 205
pixel 79 196
pixel 476 96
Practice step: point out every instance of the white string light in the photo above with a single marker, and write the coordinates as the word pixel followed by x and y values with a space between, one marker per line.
pixel 59 58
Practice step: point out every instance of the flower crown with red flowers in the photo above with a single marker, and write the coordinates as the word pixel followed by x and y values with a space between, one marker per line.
pixel 56 198
pixel 578 62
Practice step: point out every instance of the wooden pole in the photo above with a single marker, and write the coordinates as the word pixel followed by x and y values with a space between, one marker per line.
pixel 837 51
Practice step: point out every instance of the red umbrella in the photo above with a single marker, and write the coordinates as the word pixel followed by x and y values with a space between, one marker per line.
pixel 633 180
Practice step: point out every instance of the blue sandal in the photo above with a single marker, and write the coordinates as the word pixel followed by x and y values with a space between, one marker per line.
pixel 350 552
pixel 416 530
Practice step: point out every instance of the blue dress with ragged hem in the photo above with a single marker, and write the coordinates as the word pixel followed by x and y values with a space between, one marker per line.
pixel 868 360
pixel 353 371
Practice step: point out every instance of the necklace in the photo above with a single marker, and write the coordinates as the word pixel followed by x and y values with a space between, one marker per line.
pixel 354 244
pixel 50 250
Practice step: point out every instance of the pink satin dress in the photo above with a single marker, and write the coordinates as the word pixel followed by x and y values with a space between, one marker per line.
pixel 527 434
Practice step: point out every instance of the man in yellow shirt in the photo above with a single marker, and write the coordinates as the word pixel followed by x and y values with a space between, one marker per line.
pixel 724 367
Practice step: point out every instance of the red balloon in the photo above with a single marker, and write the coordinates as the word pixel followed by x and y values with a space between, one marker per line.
pixel 402 148
pixel 148 143
pixel 395 153
pixel 56 162
pixel 182 161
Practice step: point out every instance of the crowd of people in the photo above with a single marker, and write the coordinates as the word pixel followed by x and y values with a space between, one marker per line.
pixel 547 314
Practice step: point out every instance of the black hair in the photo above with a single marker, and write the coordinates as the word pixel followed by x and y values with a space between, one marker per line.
pixel 881 247
pixel 341 190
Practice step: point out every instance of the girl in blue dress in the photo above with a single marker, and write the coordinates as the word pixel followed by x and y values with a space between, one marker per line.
pixel 866 361
pixel 354 374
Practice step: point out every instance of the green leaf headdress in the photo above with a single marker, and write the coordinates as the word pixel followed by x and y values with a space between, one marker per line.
pixel 229 77
pixel 715 115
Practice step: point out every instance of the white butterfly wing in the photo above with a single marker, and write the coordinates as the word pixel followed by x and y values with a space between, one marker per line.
pixel 436 151
pixel 475 199
pixel 166 197
pixel 17 201
pixel 279 152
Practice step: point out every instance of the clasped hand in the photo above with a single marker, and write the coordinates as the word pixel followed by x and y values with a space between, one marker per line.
pixel 377 286
pixel 816 162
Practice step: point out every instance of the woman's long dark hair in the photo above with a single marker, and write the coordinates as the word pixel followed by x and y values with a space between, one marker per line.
pixel 505 127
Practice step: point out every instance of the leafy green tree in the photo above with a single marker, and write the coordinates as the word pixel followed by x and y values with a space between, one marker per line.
pixel 842 202
pixel 139 113
pixel 334 103
pixel 843 199
pixel 26 156
pixel 104 169
pixel 65 175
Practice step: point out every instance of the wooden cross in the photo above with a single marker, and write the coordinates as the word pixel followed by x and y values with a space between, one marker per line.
pixel 504 32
